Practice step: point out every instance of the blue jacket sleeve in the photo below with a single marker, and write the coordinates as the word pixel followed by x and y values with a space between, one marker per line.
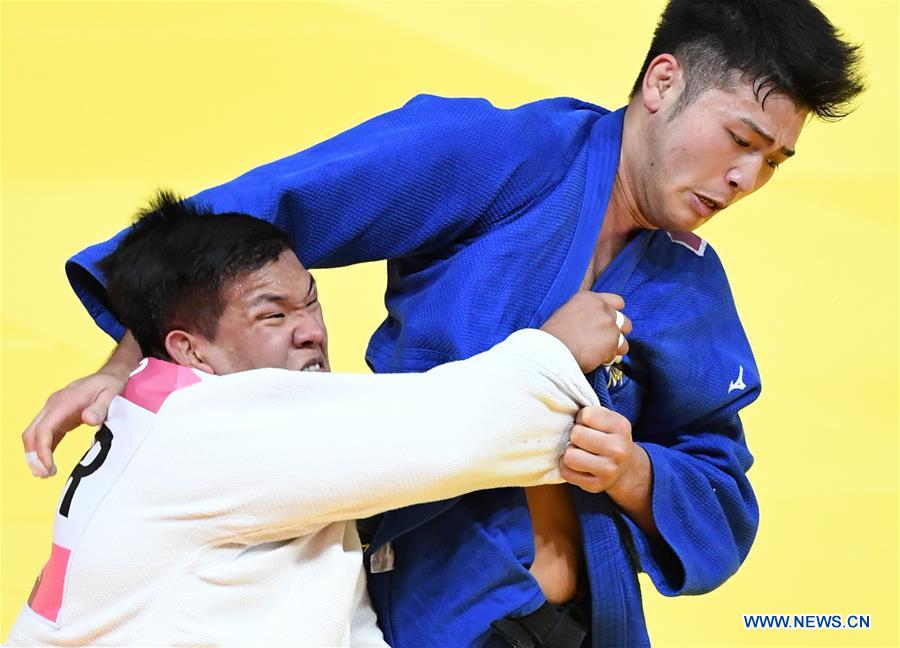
pixel 699 372
pixel 431 174
pixel 704 509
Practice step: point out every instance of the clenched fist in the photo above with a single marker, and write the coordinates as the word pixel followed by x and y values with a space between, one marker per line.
pixel 593 327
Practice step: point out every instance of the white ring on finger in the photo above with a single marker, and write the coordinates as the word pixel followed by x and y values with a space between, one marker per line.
pixel 618 358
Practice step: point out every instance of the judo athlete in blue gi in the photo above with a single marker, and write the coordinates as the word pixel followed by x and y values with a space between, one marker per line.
pixel 490 220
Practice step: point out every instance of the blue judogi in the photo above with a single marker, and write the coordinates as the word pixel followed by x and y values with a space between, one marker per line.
pixel 488 219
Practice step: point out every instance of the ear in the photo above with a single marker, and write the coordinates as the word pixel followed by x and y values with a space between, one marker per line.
pixel 187 350
pixel 661 82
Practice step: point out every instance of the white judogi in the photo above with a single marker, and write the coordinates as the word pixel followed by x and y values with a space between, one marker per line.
pixel 216 509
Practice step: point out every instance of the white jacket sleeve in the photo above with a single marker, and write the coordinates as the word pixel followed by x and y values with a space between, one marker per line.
pixel 273 451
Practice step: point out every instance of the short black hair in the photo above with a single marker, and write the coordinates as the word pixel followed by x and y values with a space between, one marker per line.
pixel 168 271
pixel 785 46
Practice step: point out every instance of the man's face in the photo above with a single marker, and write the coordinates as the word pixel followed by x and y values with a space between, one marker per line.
pixel 713 152
pixel 271 318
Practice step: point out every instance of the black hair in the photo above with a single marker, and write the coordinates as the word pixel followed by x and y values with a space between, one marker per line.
pixel 785 46
pixel 169 270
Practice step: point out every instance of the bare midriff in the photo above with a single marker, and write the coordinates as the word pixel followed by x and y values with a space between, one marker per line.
pixel 558 559
pixel 558 564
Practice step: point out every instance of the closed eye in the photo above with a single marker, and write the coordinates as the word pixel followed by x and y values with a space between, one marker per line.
pixel 273 316
pixel 740 141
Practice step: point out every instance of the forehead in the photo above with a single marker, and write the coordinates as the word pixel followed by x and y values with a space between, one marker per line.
pixel 285 277
pixel 774 112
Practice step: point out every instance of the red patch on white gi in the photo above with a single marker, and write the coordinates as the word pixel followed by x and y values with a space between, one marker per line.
pixel 150 385
pixel 46 597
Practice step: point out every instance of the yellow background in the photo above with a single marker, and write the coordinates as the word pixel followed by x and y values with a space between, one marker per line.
pixel 102 102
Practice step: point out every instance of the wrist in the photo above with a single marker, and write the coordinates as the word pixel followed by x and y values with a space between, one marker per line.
pixel 634 480
pixel 633 492
pixel 117 371
pixel 124 358
pixel 551 330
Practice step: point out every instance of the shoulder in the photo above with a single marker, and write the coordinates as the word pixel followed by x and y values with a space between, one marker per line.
pixel 684 271
pixel 689 241
pixel 553 123
pixel 479 106
pixel 682 253
pixel 688 334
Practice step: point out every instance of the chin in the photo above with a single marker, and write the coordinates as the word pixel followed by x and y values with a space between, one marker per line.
pixel 684 220
pixel 677 224
pixel 691 225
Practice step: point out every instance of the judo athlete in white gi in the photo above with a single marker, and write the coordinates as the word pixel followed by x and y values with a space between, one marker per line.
pixel 216 503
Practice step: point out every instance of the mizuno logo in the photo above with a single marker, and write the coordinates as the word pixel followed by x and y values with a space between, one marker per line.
pixel 615 377
pixel 737 383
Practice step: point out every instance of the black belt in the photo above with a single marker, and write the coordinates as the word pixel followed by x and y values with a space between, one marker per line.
pixel 550 626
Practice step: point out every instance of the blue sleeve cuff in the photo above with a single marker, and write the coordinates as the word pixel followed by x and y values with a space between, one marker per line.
pixel 706 517
pixel 89 285
pixel 657 558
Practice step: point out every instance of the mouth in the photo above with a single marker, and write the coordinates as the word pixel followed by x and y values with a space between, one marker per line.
pixel 704 205
pixel 316 364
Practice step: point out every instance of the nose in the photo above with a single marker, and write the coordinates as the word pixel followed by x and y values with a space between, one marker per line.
pixel 308 332
pixel 744 175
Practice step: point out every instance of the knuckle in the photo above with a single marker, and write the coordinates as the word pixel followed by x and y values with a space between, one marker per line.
pixel 585 435
pixel 605 473
pixel 592 485
pixel 611 421
pixel 590 414
pixel 616 454
pixel 577 434
pixel 577 479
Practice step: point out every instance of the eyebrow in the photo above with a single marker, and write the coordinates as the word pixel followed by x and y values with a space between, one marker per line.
pixel 267 298
pixel 771 140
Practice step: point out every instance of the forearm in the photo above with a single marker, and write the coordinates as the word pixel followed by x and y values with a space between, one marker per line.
pixel 498 419
pixel 633 492
pixel 124 358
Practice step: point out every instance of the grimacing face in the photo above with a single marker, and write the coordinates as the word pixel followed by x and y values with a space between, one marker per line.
pixel 272 318
pixel 722 146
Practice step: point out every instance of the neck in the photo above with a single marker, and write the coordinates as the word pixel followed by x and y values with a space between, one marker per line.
pixel 623 215
pixel 623 218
